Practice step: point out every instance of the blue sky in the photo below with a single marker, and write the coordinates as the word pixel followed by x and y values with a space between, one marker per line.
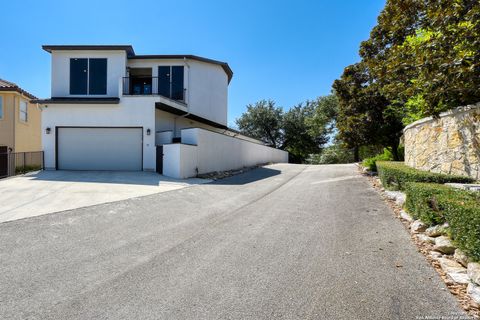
pixel 288 51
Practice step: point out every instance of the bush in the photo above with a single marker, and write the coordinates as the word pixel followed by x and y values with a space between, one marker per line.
pixel 332 154
pixel 434 204
pixel 371 163
pixel 27 168
pixel 394 175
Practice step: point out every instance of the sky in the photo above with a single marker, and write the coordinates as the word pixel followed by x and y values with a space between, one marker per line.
pixel 288 51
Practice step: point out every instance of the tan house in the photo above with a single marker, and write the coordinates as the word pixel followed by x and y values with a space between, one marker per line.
pixel 20 120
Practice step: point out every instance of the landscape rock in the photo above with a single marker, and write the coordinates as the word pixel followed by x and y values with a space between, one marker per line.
pixel 435 255
pixel 392 195
pixel 418 226
pixel 435 231
pixel 444 245
pixel 405 216
pixel 400 199
pixel 461 257
pixel 424 238
pixel 474 291
pixel 454 270
pixel 473 271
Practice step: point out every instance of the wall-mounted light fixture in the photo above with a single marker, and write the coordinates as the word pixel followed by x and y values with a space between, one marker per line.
pixel 148 132
pixel 48 130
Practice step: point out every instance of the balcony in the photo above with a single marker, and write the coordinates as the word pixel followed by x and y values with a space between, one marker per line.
pixel 152 86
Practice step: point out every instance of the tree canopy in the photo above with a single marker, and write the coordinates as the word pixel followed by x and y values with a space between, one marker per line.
pixel 422 58
pixel 302 130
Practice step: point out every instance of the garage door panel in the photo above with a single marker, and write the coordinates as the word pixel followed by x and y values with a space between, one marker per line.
pixel 100 149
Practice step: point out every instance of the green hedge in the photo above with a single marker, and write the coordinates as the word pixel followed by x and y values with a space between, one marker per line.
pixel 434 204
pixel 394 175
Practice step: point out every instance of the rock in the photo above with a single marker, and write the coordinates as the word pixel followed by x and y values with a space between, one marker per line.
pixel 424 238
pixel 400 199
pixel 444 245
pixel 435 255
pixel 435 231
pixel 418 226
pixel 473 271
pixel 474 291
pixel 461 257
pixel 393 195
pixel 405 216
pixel 454 270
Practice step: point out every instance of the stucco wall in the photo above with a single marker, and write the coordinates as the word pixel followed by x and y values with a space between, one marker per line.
pixel 16 134
pixel 116 65
pixel 450 144
pixel 138 112
pixel 218 152
pixel 7 122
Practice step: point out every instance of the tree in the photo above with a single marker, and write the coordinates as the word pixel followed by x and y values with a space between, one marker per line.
pixel 303 130
pixel 365 116
pixel 425 55
pixel 263 121
pixel 302 137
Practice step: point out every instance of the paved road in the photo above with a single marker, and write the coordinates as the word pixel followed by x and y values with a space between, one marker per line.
pixel 284 242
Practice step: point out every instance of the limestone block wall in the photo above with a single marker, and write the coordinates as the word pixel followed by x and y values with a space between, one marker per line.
pixel 449 144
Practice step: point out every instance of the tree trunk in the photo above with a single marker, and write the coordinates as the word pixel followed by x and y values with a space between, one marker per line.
pixel 356 154
pixel 396 156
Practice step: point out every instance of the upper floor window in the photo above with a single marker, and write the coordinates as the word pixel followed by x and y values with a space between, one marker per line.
pixel 1 107
pixel 23 110
pixel 88 76
pixel 170 82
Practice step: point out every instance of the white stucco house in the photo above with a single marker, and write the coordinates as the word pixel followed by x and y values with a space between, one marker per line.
pixel 111 109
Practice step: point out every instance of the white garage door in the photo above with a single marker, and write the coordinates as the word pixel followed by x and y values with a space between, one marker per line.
pixel 99 149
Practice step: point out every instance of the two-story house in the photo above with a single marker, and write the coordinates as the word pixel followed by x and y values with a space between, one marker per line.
pixel 20 119
pixel 111 109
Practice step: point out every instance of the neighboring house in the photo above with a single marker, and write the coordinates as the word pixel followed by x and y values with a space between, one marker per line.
pixel 111 109
pixel 20 120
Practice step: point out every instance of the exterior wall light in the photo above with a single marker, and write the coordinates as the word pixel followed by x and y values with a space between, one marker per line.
pixel 148 132
pixel 48 130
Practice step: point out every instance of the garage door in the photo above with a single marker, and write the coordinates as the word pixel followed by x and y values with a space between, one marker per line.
pixel 99 149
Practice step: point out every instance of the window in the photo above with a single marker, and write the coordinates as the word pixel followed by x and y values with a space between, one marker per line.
pixel 23 111
pixel 88 76
pixel 170 82
pixel 1 107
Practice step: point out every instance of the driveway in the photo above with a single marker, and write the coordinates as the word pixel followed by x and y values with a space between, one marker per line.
pixel 280 242
pixel 52 191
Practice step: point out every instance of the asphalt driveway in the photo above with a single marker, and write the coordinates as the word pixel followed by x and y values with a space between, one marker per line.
pixel 52 191
pixel 281 242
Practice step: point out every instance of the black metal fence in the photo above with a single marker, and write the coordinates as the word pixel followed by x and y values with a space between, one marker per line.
pixel 140 85
pixel 12 163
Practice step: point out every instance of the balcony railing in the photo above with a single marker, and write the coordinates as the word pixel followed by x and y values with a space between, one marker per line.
pixel 148 86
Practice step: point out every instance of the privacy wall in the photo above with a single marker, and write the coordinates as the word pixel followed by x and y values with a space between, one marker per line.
pixel 449 144
pixel 204 151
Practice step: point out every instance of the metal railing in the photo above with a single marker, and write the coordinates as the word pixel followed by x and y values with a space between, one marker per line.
pixel 13 163
pixel 148 86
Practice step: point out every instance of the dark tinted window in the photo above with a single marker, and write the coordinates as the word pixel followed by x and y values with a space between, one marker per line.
pixel 78 76
pixel 164 81
pixel 97 83
pixel 177 83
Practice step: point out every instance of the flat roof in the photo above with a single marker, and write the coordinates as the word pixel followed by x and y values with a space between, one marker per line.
pixel 131 54
pixel 127 48
pixel 224 65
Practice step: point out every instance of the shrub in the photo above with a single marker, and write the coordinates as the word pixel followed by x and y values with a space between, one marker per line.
pixel 434 203
pixel 333 154
pixel 27 168
pixel 394 175
pixel 371 163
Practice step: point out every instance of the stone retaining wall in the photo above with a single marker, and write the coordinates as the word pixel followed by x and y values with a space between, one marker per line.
pixel 450 144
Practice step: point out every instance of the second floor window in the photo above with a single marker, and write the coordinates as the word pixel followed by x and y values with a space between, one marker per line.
pixel 88 76
pixel 1 107
pixel 23 111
